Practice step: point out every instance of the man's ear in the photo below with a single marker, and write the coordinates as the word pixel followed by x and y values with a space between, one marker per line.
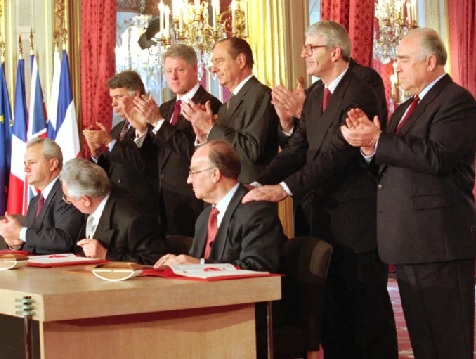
pixel 336 53
pixel 54 164
pixel 431 62
pixel 241 58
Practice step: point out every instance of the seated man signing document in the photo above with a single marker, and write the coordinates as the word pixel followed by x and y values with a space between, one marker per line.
pixel 247 235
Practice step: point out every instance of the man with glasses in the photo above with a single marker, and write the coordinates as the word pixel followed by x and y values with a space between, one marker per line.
pixel 338 190
pixel 247 235
pixel 51 225
pixel 117 229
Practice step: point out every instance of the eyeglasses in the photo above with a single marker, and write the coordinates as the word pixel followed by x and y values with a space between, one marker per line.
pixel 192 174
pixel 66 199
pixel 308 48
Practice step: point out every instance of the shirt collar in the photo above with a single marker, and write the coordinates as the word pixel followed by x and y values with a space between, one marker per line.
pixel 429 86
pixel 46 191
pixel 333 85
pixel 241 84
pixel 189 95
pixel 222 205
pixel 98 211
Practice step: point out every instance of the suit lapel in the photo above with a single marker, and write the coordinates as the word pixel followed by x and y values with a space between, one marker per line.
pixel 44 209
pixel 320 123
pixel 225 114
pixel 200 238
pixel 104 230
pixel 426 101
pixel 219 244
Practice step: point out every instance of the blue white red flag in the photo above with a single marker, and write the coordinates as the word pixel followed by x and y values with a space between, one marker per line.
pixel 16 185
pixel 66 130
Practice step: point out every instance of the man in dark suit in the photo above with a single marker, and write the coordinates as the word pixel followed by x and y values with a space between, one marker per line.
pixel 129 159
pixel 174 139
pixel 117 228
pixel 426 209
pixel 248 120
pixel 357 318
pixel 289 106
pixel 247 235
pixel 51 224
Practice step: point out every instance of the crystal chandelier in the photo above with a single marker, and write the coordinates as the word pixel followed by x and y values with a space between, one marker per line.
pixel 393 20
pixel 198 24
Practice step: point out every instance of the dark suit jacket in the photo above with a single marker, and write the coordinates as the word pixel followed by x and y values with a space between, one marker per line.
pixel 129 232
pixel 342 205
pixel 425 200
pixel 250 235
pixel 178 206
pixel 57 226
pixel 131 168
pixel 249 122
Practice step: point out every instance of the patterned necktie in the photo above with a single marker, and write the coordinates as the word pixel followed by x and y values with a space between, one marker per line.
pixel 212 231
pixel 90 227
pixel 176 113
pixel 326 98
pixel 41 202
pixel 124 130
pixel 407 114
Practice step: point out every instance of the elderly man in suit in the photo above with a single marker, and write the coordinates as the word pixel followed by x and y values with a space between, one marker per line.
pixel 426 210
pixel 357 319
pixel 247 235
pixel 51 224
pixel 130 160
pixel 174 138
pixel 117 228
pixel 248 120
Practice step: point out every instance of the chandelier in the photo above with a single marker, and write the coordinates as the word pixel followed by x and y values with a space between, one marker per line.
pixel 394 18
pixel 198 24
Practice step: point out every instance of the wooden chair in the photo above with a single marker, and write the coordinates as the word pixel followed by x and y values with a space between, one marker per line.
pixel 305 264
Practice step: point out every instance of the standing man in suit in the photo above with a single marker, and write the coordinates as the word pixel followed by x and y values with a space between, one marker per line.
pixel 426 209
pixel 51 224
pixel 289 106
pixel 116 228
pixel 247 235
pixel 129 159
pixel 358 319
pixel 248 120
pixel 174 138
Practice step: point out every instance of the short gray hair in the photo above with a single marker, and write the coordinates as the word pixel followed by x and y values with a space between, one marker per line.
pixel 49 148
pixel 182 51
pixel 334 34
pixel 84 178
pixel 430 44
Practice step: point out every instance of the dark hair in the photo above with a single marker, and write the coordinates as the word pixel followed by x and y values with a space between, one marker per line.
pixel 240 46
pixel 127 79
pixel 223 156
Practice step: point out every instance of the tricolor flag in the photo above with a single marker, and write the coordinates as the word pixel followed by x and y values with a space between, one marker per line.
pixel 36 115
pixel 53 104
pixel 5 139
pixel 64 129
pixel 16 185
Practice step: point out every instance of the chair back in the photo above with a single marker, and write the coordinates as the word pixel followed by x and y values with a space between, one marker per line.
pixel 305 264
pixel 178 244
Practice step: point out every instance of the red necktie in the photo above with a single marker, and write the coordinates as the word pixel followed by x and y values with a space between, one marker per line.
pixel 407 115
pixel 176 113
pixel 212 231
pixel 41 202
pixel 124 130
pixel 326 98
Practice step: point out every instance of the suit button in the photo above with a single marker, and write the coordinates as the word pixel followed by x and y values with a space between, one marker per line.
pixel 119 181
pixel 379 186
pixel 161 176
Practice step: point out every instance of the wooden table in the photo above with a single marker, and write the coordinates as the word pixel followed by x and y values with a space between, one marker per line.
pixel 81 316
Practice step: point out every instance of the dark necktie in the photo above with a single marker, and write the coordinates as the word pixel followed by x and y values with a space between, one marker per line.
pixel 41 202
pixel 407 115
pixel 326 98
pixel 176 113
pixel 124 130
pixel 212 231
